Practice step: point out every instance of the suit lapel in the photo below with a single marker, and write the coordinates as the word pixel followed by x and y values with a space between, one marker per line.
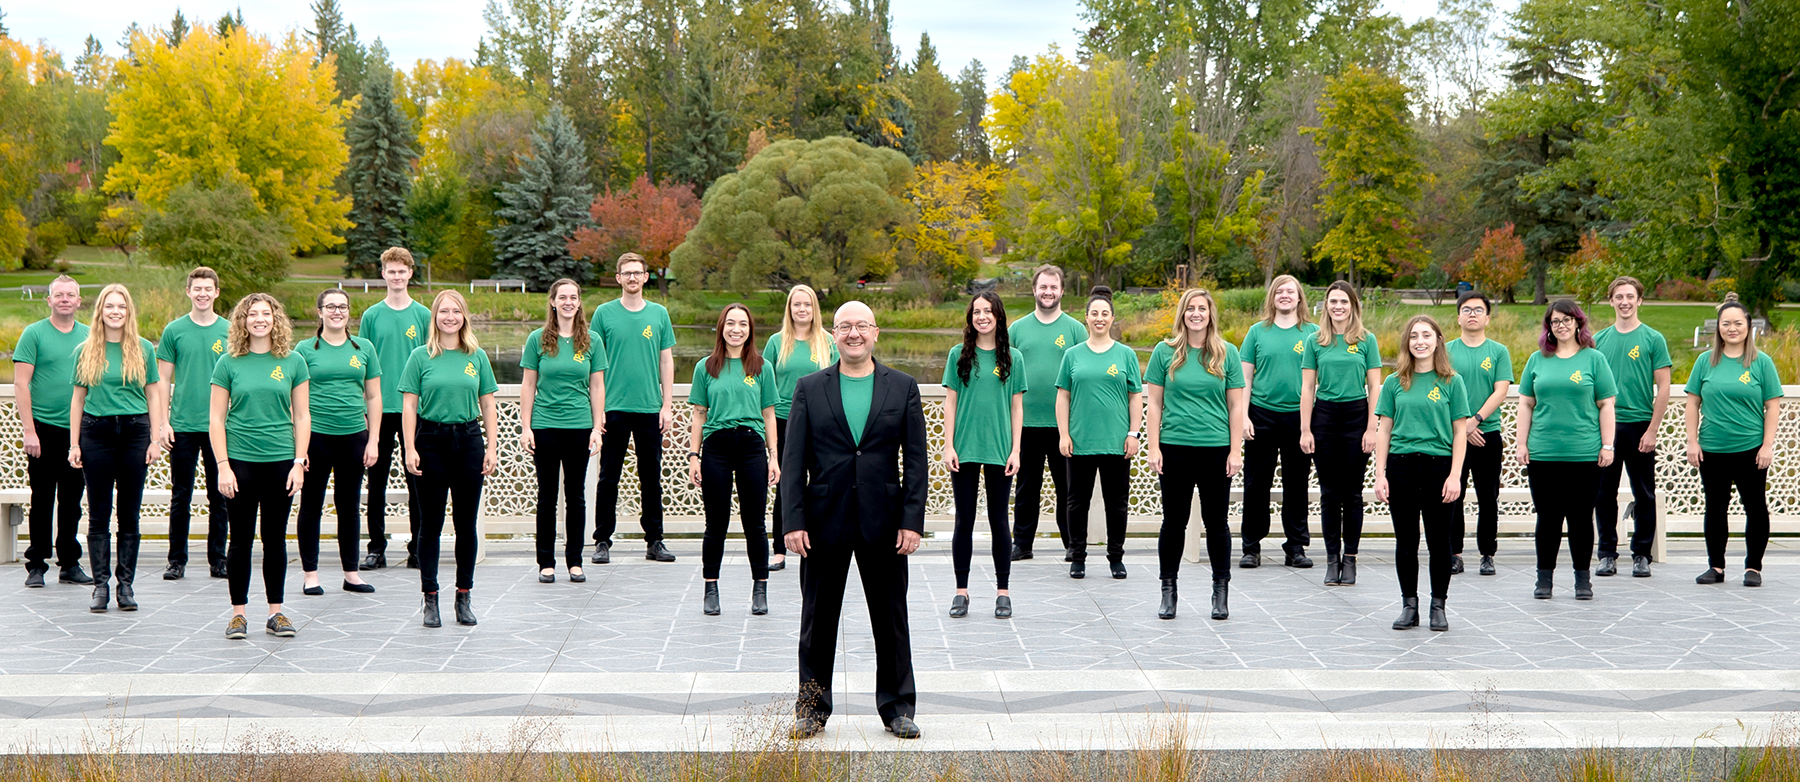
pixel 877 397
pixel 834 398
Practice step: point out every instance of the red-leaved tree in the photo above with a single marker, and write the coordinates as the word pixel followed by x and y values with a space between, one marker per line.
pixel 648 219
pixel 1498 264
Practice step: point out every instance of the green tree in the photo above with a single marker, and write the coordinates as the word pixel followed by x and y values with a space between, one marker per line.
pixel 818 212
pixel 704 150
pixel 435 209
pixel 542 211
pixel 223 228
pixel 380 172
pixel 1372 173
pixel 934 103
pixel 971 134
pixel 336 39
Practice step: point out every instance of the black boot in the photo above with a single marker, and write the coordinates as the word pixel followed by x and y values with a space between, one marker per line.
pixel 127 600
pixel 1439 621
pixel 710 604
pixel 1221 590
pixel 431 611
pixel 1542 590
pixel 1409 613
pixel 1584 585
pixel 465 614
pixel 759 598
pixel 1169 598
pixel 102 597
pixel 1347 573
pixel 128 557
pixel 1332 567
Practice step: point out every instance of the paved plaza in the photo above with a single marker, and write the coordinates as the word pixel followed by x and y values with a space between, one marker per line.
pixel 627 661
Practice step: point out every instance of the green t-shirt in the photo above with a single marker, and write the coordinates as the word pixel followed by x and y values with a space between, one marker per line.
pixel 193 349
pixel 1343 368
pixel 450 386
pixel 1731 401
pixel 1043 346
pixel 1194 410
pixel 731 399
pixel 336 376
pixel 113 396
pixel 799 364
pixel 984 405
pixel 564 397
pixel 858 395
pixel 1481 367
pixel 259 423
pixel 1565 421
pixel 1425 415
pixel 1634 359
pixel 634 345
pixel 51 355
pixel 1275 353
pixel 394 333
pixel 1099 386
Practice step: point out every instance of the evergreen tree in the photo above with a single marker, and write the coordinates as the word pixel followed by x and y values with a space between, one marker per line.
pixel 178 29
pixel 885 117
pixel 703 151
pixel 542 210
pixel 381 154
pixel 971 136
pixel 934 103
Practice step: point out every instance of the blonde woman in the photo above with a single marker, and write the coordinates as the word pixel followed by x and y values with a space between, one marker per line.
pixel 562 401
pixel 1271 362
pixel 1196 419
pixel 117 402
pixel 800 348
pixel 1733 408
pixel 261 429
pixel 1340 386
pixel 449 423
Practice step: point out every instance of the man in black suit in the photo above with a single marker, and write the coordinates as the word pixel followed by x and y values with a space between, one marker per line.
pixel 847 496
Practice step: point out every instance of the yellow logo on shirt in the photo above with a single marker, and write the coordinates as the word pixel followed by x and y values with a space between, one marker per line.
pixel 996 371
pixel 647 333
pixel 1744 378
pixel 1060 342
pixel 356 362
pixel 1356 348
pixel 1113 370
pixel 1575 377
pixel 580 357
pixel 277 375
pixel 1487 363
pixel 469 369
pixel 412 332
pixel 1436 394
pixel 1300 346
pixel 218 346
pixel 749 381
pixel 1635 352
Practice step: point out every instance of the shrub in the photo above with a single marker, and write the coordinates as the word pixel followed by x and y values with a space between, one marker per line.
pixel 1683 289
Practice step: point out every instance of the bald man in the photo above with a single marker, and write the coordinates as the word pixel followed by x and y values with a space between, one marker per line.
pixel 846 495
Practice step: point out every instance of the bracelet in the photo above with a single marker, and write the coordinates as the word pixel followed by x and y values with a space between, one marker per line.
pixel 693 454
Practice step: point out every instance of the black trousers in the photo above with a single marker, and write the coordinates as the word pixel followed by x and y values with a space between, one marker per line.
pixel 776 539
pixel 112 459
pixel 1642 466
pixel 823 573
pixel 1415 497
pixel 726 456
pixel 1482 464
pixel 1564 494
pixel 1277 439
pixel 262 490
pixel 1186 469
pixel 1338 429
pixel 621 429
pixel 1040 448
pixel 561 453
pixel 191 447
pixel 378 483
pixel 327 454
pixel 1114 472
pixel 55 502
pixel 963 485
pixel 450 472
pixel 1718 473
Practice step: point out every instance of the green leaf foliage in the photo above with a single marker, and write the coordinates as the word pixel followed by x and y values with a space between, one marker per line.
pixel 223 228
pixel 380 174
pixel 1373 174
pixel 542 210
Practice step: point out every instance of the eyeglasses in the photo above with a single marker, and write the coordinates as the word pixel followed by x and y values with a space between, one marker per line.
pixel 632 275
pixel 336 308
pixel 859 328
pixel 1557 322
pixel 1473 311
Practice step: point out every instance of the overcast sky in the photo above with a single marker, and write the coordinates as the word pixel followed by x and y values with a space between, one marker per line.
pixel 990 30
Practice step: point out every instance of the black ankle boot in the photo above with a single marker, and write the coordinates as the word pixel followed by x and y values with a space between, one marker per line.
pixel 1439 621
pixel 102 598
pixel 465 613
pixel 431 610
pixel 759 598
pixel 1409 613
pixel 1347 574
pixel 1584 585
pixel 1167 610
pixel 127 600
pixel 1542 590
pixel 1221 591
pixel 710 604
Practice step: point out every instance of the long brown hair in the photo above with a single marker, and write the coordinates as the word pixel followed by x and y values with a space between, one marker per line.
pixel 1300 311
pixel 1718 346
pixel 1440 357
pixel 1353 331
pixel 547 342
pixel 965 363
pixel 281 332
pixel 90 365
pixel 749 355
pixel 1212 345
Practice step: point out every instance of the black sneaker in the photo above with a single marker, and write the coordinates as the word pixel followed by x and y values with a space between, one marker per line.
pixel 279 626
pixel 602 554
pixel 175 571
pixel 1640 566
pixel 34 578
pixel 657 552
pixel 238 629
pixel 1609 566
pixel 74 575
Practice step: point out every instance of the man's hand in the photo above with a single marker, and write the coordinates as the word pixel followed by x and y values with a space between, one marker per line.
pixel 33 448
pixel 907 542
pixel 664 419
pixel 1647 443
pixel 797 541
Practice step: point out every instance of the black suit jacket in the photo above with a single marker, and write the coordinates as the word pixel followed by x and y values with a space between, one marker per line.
pixel 842 492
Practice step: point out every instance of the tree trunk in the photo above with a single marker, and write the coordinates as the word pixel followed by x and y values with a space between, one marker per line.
pixel 1540 268
pixel 662 281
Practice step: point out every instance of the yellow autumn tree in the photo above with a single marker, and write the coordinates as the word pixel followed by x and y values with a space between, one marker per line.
pixel 953 227
pixel 233 109
pixel 1012 108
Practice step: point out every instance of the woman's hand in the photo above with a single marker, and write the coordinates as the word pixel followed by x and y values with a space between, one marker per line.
pixel 1249 429
pixel 1306 441
pixel 950 458
pixel 1234 463
pixel 694 470
pixel 1156 462
pixel 152 452
pixel 228 484
pixel 1606 457
pixel 1694 455
pixel 1452 488
pixel 1475 437
pixel 412 462
pixel 1065 445
pixel 1521 453
pixel 774 471
pixel 1381 488
pixel 594 440
pixel 1765 456
pixel 1012 462
pixel 1131 447
pixel 489 460
pixel 1368 440
pixel 296 478
pixel 528 440
pixel 370 454
pixel 75 456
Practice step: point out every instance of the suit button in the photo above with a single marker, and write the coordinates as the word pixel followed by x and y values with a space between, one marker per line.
pixel 859 453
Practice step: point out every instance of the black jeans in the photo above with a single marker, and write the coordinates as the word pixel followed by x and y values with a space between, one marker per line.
pixel 1185 469
pixel 726 456
pixel 55 502
pixel 378 483
pixel 261 490
pixel 1115 487
pixel 189 448
pixel 963 485
pixel 1415 494
pixel 326 454
pixel 1337 429
pixel 1564 493
pixel 621 428
pixel 1482 463
pixel 112 457
pixel 1040 447
pixel 1277 438
pixel 1642 467
pixel 776 540
pixel 1718 473
pixel 564 453
pixel 450 472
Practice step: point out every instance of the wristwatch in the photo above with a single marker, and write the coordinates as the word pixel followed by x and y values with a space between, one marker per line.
pixel 1606 447
pixel 1132 435
pixel 693 454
